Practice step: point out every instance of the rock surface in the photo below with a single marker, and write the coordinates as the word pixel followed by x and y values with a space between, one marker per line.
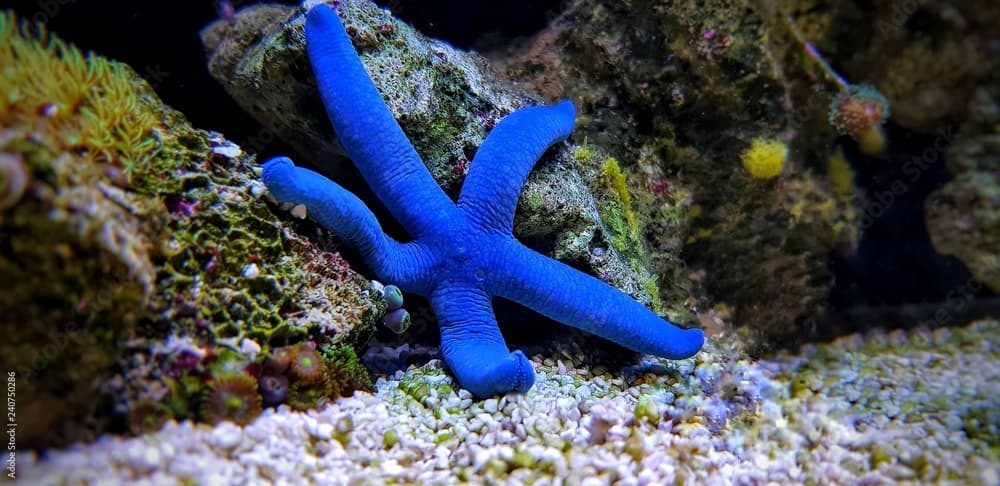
pixel 446 102
pixel 963 216
pixel 135 245
pixel 679 91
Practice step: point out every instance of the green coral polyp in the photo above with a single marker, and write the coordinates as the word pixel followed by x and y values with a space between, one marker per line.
pixel 231 397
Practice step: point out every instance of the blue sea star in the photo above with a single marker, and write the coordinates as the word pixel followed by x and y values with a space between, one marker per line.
pixel 462 254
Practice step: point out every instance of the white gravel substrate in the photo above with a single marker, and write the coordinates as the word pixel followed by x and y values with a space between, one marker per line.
pixel 914 407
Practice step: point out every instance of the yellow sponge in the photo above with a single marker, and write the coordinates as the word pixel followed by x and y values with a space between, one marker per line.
pixel 765 158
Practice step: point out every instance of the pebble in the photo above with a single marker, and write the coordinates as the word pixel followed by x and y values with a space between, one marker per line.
pixel 490 405
pixel 225 436
pixel 323 431
pixel 251 270
pixel 249 347
pixel 228 150
pixel 573 430
pixel 143 459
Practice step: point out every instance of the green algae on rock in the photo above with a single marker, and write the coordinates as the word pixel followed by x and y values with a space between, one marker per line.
pixel 682 89
pixel 444 99
pixel 133 227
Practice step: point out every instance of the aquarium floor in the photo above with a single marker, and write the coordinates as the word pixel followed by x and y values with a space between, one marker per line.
pixel 898 407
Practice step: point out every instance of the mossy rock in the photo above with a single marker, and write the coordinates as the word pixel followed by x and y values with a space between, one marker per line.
pixel 963 216
pixel 446 101
pixel 122 226
pixel 683 89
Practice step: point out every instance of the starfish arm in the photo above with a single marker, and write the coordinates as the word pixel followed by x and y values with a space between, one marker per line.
pixel 345 215
pixel 504 160
pixel 367 130
pixel 576 299
pixel 472 345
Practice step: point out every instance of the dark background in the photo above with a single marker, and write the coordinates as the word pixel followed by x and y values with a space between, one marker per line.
pixel 895 263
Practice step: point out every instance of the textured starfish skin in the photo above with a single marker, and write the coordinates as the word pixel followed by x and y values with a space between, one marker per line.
pixel 463 254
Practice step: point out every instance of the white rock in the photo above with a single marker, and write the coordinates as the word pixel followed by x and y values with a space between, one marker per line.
pixel 250 270
pixel 323 431
pixel 249 347
pixel 143 458
pixel 490 405
pixel 228 149
pixel 225 436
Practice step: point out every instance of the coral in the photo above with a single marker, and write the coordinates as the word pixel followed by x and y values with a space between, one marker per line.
pixel 473 235
pixel 231 397
pixel 612 175
pixel 346 372
pixel 305 396
pixel 860 111
pixel 926 57
pixel 303 377
pixel 88 103
pixel 281 357
pixel 224 384
pixel 393 297
pixel 146 417
pixel 75 273
pixel 840 173
pixel 273 389
pixel 398 320
pixel 306 363
pixel 765 158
